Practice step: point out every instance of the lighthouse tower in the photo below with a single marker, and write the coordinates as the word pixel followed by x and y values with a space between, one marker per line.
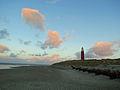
pixel 82 53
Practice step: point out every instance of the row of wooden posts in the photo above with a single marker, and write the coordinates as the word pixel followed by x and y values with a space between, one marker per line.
pixel 112 74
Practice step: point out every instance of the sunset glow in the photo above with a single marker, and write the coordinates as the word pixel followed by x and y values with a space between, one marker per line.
pixel 49 31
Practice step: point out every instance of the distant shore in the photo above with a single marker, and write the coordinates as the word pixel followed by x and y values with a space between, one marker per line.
pixel 53 78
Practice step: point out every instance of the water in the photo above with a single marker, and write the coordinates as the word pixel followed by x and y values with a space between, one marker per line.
pixel 3 66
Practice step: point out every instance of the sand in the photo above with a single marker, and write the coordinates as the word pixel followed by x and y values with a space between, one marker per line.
pixel 53 78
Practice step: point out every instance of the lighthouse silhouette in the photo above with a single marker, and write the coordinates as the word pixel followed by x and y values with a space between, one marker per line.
pixel 82 53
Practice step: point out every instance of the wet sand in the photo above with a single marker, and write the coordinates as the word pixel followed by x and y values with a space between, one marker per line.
pixel 53 78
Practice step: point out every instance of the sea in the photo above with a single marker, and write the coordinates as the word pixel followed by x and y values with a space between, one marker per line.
pixel 5 66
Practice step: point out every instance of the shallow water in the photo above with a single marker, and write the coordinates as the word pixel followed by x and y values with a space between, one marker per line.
pixel 3 66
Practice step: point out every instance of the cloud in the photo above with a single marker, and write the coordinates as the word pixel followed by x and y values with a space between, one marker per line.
pixel 52 58
pixel 44 54
pixel 24 42
pixel 34 60
pixel 56 55
pixel 27 42
pixel 6 57
pixel 53 1
pixel 22 51
pixel 78 54
pixel 91 54
pixel 37 58
pixel 13 59
pixel 4 34
pixel 33 18
pixel 13 55
pixel 53 39
pixel 35 54
pixel 3 48
pixel 41 45
pixel 20 40
pixel 117 42
pixel 101 49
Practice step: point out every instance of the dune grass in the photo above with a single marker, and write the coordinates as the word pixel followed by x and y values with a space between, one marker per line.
pixel 93 62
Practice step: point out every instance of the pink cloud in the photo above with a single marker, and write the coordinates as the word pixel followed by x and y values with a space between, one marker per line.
pixel 3 48
pixel 52 58
pixel 101 49
pixel 53 39
pixel 56 55
pixel 33 18
pixel 37 58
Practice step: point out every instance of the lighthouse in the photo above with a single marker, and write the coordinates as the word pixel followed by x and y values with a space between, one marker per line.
pixel 82 53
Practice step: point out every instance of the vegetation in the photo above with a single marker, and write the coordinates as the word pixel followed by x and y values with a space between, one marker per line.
pixel 93 62
pixel 112 74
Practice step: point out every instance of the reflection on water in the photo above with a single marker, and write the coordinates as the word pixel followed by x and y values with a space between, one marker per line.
pixel 10 66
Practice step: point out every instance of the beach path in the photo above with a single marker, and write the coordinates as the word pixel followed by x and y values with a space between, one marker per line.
pixel 53 78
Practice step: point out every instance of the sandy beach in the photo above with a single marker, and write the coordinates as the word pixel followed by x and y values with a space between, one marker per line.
pixel 53 78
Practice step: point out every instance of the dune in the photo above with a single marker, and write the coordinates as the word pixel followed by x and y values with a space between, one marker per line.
pixel 53 78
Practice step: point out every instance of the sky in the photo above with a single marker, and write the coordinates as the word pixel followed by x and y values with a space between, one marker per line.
pixel 49 31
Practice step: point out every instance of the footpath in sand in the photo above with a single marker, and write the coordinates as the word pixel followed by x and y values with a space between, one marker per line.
pixel 53 78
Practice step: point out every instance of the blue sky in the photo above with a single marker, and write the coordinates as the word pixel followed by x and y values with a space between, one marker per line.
pixel 86 21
